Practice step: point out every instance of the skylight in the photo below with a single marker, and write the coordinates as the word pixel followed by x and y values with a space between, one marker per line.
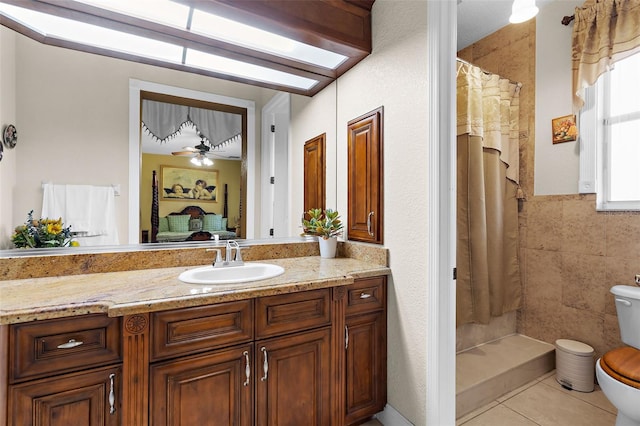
pixel 204 23
pixel 228 66
pixel 167 12
pixel 92 35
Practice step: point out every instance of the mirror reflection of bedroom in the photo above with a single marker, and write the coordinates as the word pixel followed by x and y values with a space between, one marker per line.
pixel 191 173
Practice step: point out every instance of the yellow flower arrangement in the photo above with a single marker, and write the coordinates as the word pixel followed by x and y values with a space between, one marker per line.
pixel 41 233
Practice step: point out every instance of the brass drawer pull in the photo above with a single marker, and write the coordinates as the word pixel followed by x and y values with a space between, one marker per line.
pixel 72 343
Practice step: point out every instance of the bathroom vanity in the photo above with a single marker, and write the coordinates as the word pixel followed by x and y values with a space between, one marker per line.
pixel 142 348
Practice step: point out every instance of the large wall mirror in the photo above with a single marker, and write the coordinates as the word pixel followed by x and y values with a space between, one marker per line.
pixel 73 111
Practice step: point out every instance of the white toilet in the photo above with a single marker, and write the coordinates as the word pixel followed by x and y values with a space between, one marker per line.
pixel 618 370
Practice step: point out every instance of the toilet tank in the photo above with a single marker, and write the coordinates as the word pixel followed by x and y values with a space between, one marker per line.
pixel 628 306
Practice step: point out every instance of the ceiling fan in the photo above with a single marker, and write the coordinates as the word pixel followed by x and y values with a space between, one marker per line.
pixel 200 154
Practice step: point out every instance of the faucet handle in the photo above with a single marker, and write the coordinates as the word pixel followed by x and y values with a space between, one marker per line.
pixel 233 245
pixel 218 258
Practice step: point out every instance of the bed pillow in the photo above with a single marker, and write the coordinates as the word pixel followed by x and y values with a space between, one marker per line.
pixel 179 223
pixel 195 225
pixel 163 224
pixel 212 222
pixel 223 227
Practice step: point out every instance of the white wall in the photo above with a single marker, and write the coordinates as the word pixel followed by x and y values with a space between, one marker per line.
pixel 556 166
pixel 7 116
pixel 394 76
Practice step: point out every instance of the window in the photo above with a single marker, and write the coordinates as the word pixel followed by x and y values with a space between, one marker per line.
pixel 610 128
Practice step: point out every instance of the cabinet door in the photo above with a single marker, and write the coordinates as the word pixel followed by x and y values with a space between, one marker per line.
pixel 365 216
pixel 314 173
pixel 294 380
pixel 87 398
pixel 212 389
pixel 366 366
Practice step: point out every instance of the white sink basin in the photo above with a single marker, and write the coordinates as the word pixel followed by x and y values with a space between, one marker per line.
pixel 232 274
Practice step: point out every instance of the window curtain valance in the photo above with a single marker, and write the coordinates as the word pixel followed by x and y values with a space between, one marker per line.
pixel 164 121
pixel 604 32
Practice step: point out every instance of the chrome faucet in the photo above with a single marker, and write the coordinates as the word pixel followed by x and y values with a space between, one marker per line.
pixel 230 259
pixel 217 262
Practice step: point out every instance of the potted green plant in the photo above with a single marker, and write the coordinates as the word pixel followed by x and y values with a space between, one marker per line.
pixel 326 225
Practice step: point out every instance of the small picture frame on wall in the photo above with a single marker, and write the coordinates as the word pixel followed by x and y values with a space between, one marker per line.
pixel 564 129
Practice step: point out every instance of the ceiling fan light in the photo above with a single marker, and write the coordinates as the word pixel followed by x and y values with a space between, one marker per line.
pixel 196 161
pixel 523 10
pixel 207 162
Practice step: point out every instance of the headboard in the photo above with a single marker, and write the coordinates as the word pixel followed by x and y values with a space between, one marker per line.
pixel 194 211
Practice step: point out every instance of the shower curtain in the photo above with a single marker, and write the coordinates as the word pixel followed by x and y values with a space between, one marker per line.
pixel 488 276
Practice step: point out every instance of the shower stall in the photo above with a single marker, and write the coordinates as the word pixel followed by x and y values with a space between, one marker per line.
pixel 492 358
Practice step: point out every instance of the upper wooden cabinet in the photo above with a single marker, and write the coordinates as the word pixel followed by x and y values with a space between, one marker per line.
pixel 314 173
pixel 365 179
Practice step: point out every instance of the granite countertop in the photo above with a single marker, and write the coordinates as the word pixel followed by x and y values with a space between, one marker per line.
pixel 149 290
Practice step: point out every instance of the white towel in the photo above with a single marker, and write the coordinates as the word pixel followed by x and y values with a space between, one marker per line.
pixel 88 209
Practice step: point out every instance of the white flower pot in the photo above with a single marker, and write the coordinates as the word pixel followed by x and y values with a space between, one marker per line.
pixel 328 247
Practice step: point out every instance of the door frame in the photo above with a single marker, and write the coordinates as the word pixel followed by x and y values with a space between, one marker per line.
pixel 135 154
pixel 441 297
pixel 275 162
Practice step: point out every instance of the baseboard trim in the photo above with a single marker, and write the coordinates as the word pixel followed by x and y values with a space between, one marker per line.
pixel 391 417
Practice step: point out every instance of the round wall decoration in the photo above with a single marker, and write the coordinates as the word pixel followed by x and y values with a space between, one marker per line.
pixel 10 136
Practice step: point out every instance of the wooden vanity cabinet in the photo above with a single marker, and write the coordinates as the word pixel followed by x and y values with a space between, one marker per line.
pixel 201 365
pixel 315 357
pixel 198 390
pixel 366 349
pixel 279 374
pixel 293 358
pixel 78 399
pixel 65 372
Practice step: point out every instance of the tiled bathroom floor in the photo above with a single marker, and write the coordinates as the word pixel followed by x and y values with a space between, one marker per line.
pixel 543 402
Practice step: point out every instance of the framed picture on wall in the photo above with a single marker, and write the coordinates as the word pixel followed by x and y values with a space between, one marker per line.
pixel 180 183
pixel 564 129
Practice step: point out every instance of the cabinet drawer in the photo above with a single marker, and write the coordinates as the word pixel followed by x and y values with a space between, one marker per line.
pixel 366 295
pixel 61 345
pixel 292 312
pixel 189 330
